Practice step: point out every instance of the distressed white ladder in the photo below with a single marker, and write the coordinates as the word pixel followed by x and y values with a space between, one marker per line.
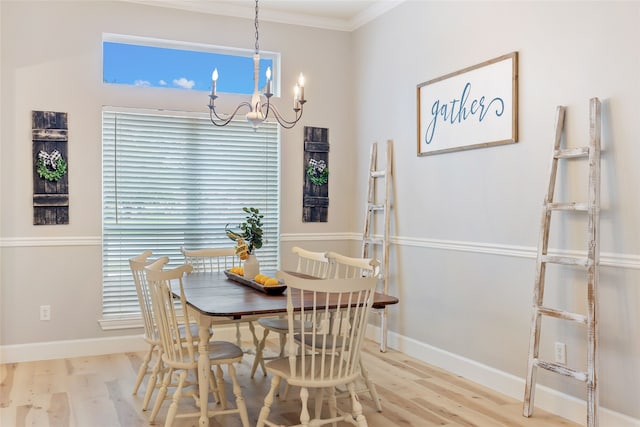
pixel 374 208
pixel 590 263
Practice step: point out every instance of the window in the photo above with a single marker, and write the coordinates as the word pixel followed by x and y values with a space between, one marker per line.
pixel 138 61
pixel 173 180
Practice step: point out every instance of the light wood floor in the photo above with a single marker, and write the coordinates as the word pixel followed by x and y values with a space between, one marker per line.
pixel 96 391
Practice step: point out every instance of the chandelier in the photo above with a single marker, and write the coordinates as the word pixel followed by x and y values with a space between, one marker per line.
pixel 258 109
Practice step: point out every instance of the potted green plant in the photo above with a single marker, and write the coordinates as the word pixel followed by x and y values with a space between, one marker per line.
pixel 248 238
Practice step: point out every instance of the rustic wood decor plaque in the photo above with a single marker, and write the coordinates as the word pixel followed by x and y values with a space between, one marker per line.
pixel 471 108
pixel 50 168
pixel 315 204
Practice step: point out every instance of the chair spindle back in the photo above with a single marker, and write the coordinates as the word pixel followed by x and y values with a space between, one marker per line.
pixel 210 259
pixel 331 350
pixel 311 263
pixel 176 347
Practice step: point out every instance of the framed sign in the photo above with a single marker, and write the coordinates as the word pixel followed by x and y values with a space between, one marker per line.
pixel 471 108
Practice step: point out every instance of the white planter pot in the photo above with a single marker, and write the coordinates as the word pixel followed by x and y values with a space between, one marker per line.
pixel 251 267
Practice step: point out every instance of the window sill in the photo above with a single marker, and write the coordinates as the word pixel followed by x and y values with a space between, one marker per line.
pixel 120 322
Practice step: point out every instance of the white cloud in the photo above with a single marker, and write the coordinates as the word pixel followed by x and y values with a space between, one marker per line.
pixel 144 83
pixel 184 83
pixel 162 83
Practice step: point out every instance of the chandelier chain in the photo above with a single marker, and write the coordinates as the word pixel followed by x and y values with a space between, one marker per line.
pixel 256 25
pixel 259 110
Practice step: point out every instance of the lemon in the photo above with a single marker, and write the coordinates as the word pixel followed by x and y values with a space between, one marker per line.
pixel 271 282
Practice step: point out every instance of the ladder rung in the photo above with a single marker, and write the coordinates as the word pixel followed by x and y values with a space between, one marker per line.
pixel 373 241
pixel 567 153
pixel 560 314
pixel 378 174
pixel 373 207
pixel 561 369
pixel 568 206
pixel 566 260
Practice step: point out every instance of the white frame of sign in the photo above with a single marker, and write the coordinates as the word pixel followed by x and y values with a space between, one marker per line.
pixel 472 108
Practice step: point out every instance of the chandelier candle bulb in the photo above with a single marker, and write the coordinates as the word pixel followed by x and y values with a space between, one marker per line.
pixel 301 85
pixel 296 101
pixel 267 90
pixel 214 78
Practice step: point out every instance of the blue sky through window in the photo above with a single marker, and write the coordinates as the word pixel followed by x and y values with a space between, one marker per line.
pixel 150 66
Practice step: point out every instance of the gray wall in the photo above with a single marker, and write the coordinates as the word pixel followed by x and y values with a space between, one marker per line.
pixel 466 223
pixel 52 60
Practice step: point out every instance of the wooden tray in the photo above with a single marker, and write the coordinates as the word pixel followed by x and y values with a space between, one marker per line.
pixel 269 290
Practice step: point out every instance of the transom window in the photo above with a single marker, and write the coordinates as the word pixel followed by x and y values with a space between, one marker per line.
pixel 146 62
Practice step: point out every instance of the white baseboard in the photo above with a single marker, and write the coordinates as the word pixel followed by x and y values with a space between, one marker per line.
pixel 71 348
pixel 546 398
pixel 89 347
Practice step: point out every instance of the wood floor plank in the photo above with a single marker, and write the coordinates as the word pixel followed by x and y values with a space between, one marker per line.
pixel 7 373
pixel 470 403
pixel 398 408
pixel 59 411
pixel 127 413
pixel 96 392
pixel 90 401
pixel 20 419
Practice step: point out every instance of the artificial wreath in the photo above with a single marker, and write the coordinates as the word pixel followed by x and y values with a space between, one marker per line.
pixel 318 172
pixel 52 166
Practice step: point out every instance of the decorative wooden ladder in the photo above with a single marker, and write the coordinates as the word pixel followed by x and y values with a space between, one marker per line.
pixel 590 263
pixel 369 242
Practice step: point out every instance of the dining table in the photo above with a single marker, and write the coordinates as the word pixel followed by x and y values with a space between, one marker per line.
pixel 213 295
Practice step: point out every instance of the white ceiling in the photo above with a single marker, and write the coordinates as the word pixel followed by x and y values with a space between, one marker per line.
pixel 343 15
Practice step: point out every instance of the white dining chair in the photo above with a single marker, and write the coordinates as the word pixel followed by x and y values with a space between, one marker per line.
pixel 180 355
pixel 151 335
pixel 333 357
pixel 211 259
pixel 218 260
pixel 310 263
pixel 342 266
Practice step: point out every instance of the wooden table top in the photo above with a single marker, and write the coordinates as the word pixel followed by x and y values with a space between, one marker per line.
pixel 214 295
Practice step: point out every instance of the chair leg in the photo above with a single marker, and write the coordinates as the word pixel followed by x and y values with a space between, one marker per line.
pixel 268 401
pixel 153 380
pixel 285 394
pixel 370 386
pixel 237 391
pixel 283 341
pixel 259 359
pixel 144 369
pixel 333 404
pixel 221 390
pixel 318 402
pixel 162 393
pixel 304 413
pixel 356 406
pixel 214 387
pixel 173 408
pixel 238 335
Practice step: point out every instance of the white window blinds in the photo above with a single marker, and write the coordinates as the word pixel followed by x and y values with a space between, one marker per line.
pixel 177 180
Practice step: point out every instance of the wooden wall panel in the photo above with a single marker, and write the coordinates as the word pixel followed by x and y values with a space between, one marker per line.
pixel 315 204
pixel 50 197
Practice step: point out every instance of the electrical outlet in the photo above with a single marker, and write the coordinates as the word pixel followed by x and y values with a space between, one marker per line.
pixel 561 353
pixel 45 312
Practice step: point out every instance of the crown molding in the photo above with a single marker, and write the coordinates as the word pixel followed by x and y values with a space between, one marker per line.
pixel 246 11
